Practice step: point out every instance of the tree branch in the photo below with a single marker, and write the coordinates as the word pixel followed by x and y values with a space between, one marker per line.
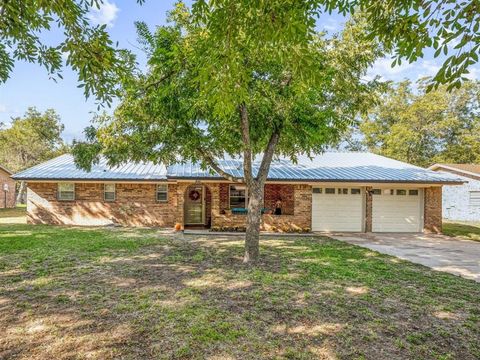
pixel 247 150
pixel 267 157
pixel 208 159
pixel 159 81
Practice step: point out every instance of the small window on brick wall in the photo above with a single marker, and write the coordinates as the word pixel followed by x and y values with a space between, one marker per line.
pixel 109 192
pixel 162 193
pixel 66 191
pixel 238 196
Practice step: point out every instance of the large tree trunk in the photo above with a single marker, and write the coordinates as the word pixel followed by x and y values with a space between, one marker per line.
pixel 254 218
pixel 255 184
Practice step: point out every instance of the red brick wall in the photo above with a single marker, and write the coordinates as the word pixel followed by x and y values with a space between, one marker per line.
pixel 135 205
pixel 6 179
pixel 283 192
pixel 223 196
pixel 273 192
pixel 433 210
pixel 368 209
pixel 298 199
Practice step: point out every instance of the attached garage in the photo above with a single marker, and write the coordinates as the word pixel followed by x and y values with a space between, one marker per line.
pixel 397 210
pixel 338 209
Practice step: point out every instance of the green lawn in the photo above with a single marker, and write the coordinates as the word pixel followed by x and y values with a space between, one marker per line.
pixel 133 294
pixel 467 230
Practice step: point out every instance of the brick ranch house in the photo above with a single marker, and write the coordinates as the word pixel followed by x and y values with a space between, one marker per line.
pixel 7 189
pixel 358 192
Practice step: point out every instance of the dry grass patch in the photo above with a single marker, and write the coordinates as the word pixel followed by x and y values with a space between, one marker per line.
pixel 16 215
pixel 68 293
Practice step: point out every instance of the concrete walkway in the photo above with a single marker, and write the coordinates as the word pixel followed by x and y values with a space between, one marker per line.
pixel 439 252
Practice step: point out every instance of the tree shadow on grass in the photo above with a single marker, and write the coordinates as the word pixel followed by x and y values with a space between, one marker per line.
pixel 140 295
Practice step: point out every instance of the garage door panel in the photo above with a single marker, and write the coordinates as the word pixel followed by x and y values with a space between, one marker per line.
pixel 337 212
pixel 397 213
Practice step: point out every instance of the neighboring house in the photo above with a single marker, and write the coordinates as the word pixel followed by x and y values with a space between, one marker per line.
pixel 331 192
pixel 7 189
pixel 461 202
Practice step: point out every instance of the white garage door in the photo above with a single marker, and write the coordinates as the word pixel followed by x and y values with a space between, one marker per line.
pixel 397 210
pixel 337 209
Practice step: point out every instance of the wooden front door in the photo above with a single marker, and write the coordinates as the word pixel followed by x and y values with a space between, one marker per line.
pixel 194 205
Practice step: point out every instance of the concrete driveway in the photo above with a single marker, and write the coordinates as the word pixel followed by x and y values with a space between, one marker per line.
pixel 439 252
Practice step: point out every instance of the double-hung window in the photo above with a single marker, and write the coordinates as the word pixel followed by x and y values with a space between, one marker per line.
pixel 109 192
pixel 162 193
pixel 238 196
pixel 66 191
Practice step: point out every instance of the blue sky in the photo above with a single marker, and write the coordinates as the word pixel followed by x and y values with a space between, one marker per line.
pixel 29 84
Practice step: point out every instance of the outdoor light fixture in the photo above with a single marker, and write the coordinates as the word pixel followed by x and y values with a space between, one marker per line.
pixel 5 190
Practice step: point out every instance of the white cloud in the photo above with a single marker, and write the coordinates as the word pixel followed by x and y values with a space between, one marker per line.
pixel 331 25
pixel 106 14
pixel 3 108
pixel 474 73
pixel 430 67
pixel 383 67
pixel 65 55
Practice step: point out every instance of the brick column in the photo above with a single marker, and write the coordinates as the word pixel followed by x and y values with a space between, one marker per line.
pixel 368 209
pixel 181 188
pixel 433 210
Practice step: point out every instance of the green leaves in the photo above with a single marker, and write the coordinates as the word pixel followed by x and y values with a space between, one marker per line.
pixel 31 139
pixel 405 28
pixel 88 49
pixel 207 64
pixel 423 127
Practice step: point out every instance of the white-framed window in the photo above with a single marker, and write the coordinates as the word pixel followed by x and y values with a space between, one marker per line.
pixel 237 196
pixel 376 191
pixel 109 192
pixel 66 191
pixel 162 193
pixel 355 191
pixel 474 199
pixel 330 191
pixel 413 192
pixel 401 192
pixel 317 190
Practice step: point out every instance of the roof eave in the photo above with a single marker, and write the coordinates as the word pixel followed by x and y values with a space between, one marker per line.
pixel 6 170
pixel 446 167
pixel 213 178
pixel 87 179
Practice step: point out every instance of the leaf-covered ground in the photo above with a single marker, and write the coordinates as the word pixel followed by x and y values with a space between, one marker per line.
pixel 75 293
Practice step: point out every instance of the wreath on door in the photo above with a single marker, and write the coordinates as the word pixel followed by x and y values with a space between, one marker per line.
pixel 194 195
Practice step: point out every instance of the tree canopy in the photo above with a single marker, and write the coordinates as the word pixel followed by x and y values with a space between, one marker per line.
pixel 209 93
pixel 88 49
pixel 404 28
pixel 31 139
pixel 423 128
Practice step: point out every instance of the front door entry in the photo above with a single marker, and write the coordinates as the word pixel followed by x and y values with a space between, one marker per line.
pixel 194 205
